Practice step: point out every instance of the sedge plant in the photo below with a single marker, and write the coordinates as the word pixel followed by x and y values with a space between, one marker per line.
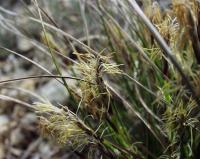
pixel 137 84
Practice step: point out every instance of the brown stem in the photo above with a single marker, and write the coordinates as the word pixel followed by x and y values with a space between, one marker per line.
pixel 192 28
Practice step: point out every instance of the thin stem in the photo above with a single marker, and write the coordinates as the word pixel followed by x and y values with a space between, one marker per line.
pixel 43 76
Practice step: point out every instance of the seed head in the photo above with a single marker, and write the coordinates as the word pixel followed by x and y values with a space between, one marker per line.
pixel 64 126
pixel 95 97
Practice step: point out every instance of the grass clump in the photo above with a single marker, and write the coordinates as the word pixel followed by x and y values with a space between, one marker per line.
pixel 143 102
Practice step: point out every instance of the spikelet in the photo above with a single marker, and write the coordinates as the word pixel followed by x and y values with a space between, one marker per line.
pixel 178 124
pixel 181 8
pixel 167 27
pixel 163 21
pixel 63 126
pixel 178 116
pixel 186 13
pixel 95 97
pixel 175 27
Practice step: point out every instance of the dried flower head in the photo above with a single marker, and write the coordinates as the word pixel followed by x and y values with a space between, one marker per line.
pixel 95 97
pixel 64 126
pixel 178 116
pixel 181 9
